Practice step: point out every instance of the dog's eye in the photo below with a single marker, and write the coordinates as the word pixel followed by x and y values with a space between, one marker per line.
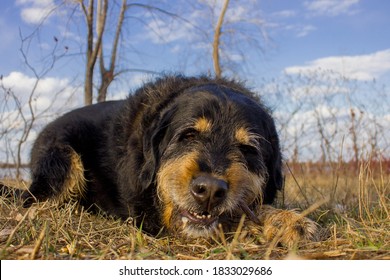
pixel 248 149
pixel 188 135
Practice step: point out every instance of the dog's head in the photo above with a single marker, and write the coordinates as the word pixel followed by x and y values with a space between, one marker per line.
pixel 215 155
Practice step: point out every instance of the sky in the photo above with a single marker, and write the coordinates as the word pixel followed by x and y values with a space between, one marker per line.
pixel 346 37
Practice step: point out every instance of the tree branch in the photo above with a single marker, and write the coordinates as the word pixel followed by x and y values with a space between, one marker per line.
pixel 216 42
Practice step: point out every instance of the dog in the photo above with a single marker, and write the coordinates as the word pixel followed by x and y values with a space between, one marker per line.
pixel 182 155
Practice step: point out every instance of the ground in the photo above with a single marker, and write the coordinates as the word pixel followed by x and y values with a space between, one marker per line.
pixel 350 202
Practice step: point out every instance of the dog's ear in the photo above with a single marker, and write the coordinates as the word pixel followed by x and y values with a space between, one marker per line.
pixel 156 140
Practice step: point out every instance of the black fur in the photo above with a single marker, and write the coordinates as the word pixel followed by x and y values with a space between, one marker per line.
pixel 122 144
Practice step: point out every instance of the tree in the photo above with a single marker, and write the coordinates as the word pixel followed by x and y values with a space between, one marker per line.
pixel 95 38
pixel 216 42
pixel 95 49
pixel 235 32
pixel 21 112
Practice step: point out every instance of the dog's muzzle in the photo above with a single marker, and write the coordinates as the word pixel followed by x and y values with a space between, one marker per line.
pixel 208 191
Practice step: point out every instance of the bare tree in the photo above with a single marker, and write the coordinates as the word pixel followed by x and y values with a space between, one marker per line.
pixel 216 42
pixel 95 39
pixel 93 47
pixel 107 74
pixel 219 35
pixel 327 118
pixel 19 112
pixel 239 28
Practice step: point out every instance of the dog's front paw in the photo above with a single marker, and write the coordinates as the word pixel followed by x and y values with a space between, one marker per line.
pixel 287 227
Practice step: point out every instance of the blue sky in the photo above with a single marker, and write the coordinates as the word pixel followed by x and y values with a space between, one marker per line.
pixel 347 37
pixel 299 33
pixel 334 29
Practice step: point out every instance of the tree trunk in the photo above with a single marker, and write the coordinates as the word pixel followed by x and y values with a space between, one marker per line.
pixel 106 79
pixel 107 75
pixel 216 42
pixel 93 48
pixel 88 84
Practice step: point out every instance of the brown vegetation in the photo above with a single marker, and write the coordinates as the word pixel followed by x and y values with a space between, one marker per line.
pixel 352 208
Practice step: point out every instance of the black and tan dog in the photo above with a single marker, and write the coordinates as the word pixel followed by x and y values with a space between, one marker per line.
pixel 183 154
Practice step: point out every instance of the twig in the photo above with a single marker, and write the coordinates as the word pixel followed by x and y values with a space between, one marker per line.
pixel 39 242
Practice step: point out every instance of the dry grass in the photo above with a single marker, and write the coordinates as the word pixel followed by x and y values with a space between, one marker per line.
pixel 355 221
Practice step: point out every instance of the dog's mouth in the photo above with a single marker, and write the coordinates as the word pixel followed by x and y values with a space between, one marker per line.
pixel 204 223
pixel 199 219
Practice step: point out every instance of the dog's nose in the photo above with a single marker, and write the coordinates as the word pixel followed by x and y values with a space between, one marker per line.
pixel 208 191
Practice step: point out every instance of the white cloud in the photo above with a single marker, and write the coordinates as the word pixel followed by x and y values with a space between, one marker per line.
pixel 138 79
pixel 359 67
pixel 309 91
pixel 161 32
pixel 34 15
pixel 51 97
pixel 22 86
pixel 297 30
pixel 35 2
pixel 326 123
pixel 331 7
pixel 236 15
pixel 36 11
pixel 303 31
pixel 284 14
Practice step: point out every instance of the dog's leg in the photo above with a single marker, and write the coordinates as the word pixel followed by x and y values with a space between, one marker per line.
pixel 57 172
pixel 286 227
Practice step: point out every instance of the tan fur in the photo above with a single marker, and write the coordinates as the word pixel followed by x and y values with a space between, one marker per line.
pixel 173 180
pixel 242 135
pixel 287 227
pixel 167 215
pixel 203 125
pixel 75 185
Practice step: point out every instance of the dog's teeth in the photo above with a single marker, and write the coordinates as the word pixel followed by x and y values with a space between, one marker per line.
pixel 200 216
pixel 184 220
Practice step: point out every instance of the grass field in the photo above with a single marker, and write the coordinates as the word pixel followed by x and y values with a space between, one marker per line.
pixel 352 205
